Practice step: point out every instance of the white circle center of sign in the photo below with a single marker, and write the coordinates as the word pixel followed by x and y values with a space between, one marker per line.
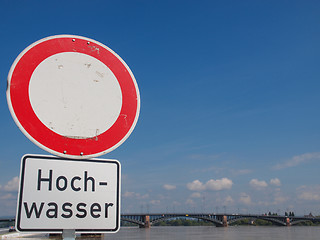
pixel 75 95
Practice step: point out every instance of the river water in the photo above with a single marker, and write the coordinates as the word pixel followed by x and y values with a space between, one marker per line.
pixel 205 232
pixel 209 232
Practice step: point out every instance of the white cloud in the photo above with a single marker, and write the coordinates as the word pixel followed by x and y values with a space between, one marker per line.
pixel 279 199
pixel 309 196
pixel 273 199
pixel 128 194
pixel 135 195
pixel 275 182
pixel 196 185
pixel 219 184
pixel 263 203
pixel 297 160
pixel 245 199
pixel 12 185
pixel 229 200
pixel 214 185
pixel 309 193
pixel 169 187
pixel 139 196
pixel 155 202
pixel 176 203
pixel 259 185
pixel 163 197
pixel 196 195
pixel 190 202
pixel 8 196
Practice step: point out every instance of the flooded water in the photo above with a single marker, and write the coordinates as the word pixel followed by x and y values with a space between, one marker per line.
pixel 209 232
pixel 200 232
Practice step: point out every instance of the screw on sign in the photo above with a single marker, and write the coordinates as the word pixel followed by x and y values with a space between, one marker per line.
pixel 73 96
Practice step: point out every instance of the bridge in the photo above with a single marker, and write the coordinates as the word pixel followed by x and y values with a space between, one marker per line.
pixel 220 220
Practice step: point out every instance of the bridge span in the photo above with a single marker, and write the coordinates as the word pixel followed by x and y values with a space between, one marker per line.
pixel 220 220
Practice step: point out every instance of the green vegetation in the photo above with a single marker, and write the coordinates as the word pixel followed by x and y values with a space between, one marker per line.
pixel 308 223
pixel 127 224
pixel 184 222
pixel 256 222
pixel 6 224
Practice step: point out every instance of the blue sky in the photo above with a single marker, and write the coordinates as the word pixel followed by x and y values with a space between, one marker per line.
pixel 229 100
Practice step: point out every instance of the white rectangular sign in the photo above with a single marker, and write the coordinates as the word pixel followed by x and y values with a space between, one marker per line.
pixel 57 193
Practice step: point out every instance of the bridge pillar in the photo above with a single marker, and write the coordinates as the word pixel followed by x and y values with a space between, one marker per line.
pixel 288 223
pixel 224 221
pixel 146 220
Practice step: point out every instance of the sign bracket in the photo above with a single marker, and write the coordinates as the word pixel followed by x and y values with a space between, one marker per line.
pixel 68 234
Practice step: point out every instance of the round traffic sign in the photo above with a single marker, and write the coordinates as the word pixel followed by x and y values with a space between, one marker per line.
pixel 73 96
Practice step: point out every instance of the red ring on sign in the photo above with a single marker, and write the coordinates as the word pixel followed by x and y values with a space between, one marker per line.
pixel 20 101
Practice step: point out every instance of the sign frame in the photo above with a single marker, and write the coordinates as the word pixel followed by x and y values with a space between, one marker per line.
pixel 48 229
